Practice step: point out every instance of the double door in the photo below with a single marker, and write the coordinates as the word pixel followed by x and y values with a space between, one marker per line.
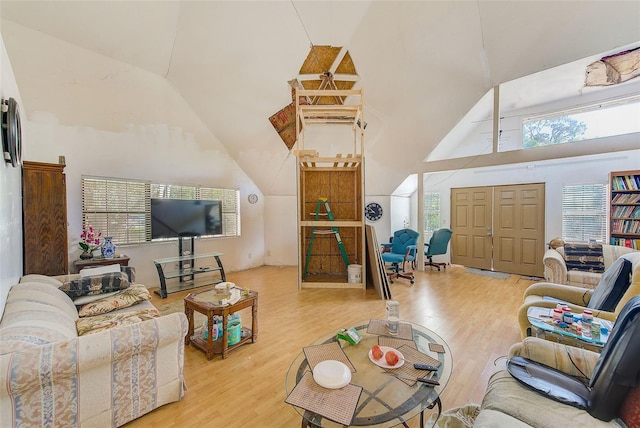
pixel 499 228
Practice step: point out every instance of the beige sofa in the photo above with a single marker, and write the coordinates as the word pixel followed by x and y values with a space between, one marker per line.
pixel 555 266
pixel 127 363
pixel 507 403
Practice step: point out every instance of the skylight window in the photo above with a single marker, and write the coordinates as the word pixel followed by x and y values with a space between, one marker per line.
pixel 595 121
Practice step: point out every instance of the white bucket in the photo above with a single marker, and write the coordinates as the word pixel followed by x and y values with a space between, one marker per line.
pixel 355 273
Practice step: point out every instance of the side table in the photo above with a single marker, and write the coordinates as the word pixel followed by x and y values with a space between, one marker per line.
pixel 207 303
pixel 101 261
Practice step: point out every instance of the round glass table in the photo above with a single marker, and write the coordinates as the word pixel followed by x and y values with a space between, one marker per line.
pixel 386 400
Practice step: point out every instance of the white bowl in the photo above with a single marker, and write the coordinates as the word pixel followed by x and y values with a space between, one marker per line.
pixel 331 374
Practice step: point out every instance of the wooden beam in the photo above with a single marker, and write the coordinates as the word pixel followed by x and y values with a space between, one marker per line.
pixel 597 146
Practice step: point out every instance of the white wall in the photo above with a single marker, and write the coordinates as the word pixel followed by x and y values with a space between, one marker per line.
pixel 111 119
pixel 10 197
pixel 281 230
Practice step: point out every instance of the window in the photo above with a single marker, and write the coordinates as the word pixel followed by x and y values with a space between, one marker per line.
pixel 431 213
pixel 584 212
pixel 117 208
pixel 595 121
pixel 121 208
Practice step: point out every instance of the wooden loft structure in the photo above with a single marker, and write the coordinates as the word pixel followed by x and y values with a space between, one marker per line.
pixel 331 236
pixel 340 113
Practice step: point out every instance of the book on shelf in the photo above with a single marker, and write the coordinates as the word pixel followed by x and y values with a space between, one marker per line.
pixel 626 198
pixel 626 211
pixel 624 242
pixel 626 182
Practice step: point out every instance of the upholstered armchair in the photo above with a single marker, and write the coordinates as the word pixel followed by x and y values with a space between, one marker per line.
pixel 400 251
pixel 547 295
pixel 438 244
pixel 558 268
pixel 612 376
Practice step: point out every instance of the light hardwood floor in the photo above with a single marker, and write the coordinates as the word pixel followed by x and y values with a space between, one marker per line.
pixel 475 314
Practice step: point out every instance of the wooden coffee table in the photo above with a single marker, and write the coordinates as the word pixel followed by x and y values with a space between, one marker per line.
pixel 208 303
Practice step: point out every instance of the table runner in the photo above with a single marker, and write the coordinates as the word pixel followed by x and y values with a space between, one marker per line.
pixel 413 356
pixel 392 342
pixel 339 405
pixel 379 327
pixel 327 351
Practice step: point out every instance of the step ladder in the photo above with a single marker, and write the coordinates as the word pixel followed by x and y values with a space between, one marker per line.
pixel 334 230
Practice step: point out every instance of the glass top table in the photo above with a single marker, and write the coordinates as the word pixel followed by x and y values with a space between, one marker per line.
pixel 386 400
pixel 541 318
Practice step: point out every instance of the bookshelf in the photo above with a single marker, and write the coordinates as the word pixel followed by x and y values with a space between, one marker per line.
pixel 624 215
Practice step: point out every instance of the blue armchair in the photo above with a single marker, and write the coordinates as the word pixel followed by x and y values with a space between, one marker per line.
pixel 401 249
pixel 437 245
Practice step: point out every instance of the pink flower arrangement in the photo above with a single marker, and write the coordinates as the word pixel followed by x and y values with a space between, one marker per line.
pixel 90 240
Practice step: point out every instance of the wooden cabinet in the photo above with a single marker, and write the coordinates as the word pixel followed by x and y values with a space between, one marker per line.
pixel 624 215
pixel 44 219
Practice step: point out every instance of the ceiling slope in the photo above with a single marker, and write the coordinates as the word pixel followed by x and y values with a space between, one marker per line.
pixel 422 64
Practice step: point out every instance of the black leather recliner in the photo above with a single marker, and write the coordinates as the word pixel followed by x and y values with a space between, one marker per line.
pixel 616 371
pixel 618 368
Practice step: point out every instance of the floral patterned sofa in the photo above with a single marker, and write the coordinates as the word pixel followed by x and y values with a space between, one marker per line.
pixel 102 362
pixel 558 267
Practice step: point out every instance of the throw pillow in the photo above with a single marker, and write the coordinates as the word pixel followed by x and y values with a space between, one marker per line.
pixel 99 284
pixel 584 257
pixel 630 410
pixel 123 299
pixel 93 271
pixel 83 300
pixel 90 325
pixel 612 286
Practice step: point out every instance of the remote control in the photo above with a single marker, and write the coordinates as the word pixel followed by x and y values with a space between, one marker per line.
pixel 428 381
pixel 429 367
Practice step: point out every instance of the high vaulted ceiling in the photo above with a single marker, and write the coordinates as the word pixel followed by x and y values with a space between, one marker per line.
pixel 422 64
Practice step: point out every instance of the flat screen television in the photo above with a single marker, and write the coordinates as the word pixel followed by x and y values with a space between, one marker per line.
pixel 172 218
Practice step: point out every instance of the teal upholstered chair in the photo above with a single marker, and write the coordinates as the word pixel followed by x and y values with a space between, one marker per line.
pixel 401 250
pixel 437 245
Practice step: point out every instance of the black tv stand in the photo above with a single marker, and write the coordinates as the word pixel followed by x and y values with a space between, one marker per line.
pixel 184 269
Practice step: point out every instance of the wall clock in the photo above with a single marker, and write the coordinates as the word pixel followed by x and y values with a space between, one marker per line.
pixel 11 132
pixel 253 198
pixel 373 211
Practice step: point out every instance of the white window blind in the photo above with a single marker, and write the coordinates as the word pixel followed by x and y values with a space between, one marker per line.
pixel 118 208
pixel 431 214
pixel 121 208
pixel 584 212
pixel 230 208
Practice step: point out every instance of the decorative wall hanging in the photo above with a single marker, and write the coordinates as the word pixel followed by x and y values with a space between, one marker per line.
pixel 11 132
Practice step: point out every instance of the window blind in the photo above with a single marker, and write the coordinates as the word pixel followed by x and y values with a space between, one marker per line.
pixel 118 208
pixel 584 212
pixel 121 208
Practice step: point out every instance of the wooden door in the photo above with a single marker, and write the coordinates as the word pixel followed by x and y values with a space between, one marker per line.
pixel 471 224
pixel 518 232
pixel 44 219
